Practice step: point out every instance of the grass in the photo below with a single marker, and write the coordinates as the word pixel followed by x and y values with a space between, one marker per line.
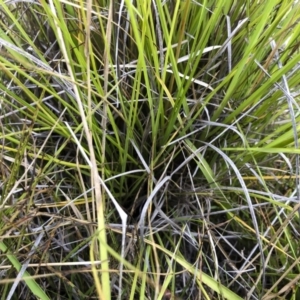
pixel 149 150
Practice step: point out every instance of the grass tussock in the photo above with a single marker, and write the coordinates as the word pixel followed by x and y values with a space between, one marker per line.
pixel 149 149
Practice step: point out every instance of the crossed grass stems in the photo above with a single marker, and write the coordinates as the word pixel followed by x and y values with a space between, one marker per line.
pixel 199 238
pixel 218 236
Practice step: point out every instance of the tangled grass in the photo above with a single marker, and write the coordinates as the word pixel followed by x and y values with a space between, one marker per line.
pixel 149 149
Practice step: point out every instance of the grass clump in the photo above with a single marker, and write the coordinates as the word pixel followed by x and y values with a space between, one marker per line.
pixel 149 150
